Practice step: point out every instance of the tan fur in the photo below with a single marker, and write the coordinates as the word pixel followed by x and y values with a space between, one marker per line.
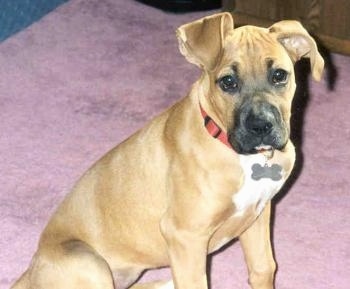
pixel 165 195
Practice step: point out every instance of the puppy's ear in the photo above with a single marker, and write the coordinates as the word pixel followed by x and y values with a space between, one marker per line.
pixel 201 41
pixel 297 41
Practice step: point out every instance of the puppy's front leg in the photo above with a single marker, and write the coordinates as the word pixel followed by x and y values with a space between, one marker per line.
pixel 187 253
pixel 256 245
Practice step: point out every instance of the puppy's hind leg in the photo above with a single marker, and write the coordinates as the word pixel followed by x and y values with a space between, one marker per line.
pixel 73 265
pixel 22 282
pixel 86 267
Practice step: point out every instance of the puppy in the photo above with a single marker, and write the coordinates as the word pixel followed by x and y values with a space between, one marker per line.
pixel 198 175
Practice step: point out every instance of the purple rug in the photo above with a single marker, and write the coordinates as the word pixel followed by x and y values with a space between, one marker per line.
pixel 79 81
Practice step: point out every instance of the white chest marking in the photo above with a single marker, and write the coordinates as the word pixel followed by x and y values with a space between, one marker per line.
pixel 167 285
pixel 255 192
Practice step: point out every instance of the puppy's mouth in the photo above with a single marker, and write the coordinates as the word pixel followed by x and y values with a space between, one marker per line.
pixel 246 145
pixel 264 148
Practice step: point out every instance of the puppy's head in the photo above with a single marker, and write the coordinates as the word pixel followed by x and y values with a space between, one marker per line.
pixel 248 76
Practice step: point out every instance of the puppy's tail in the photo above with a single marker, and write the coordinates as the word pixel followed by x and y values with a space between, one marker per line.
pixel 22 282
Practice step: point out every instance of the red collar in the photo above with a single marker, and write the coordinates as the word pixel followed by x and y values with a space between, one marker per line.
pixel 214 130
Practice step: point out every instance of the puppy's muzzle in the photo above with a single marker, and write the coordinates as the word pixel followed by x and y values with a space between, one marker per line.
pixel 258 126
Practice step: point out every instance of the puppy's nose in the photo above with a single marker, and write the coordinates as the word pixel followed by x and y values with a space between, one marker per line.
pixel 258 125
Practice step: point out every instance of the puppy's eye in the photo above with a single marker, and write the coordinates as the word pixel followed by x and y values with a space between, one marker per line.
pixel 229 83
pixel 278 77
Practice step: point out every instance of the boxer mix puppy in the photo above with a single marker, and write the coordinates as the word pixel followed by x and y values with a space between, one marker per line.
pixel 198 175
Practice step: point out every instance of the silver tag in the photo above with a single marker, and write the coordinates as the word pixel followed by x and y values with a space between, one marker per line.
pixel 273 172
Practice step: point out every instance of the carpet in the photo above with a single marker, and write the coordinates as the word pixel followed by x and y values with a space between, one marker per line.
pixel 87 75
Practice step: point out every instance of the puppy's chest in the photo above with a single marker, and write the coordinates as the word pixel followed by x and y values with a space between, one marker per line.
pixel 256 191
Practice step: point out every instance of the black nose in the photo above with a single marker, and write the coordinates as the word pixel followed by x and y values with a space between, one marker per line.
pixel 258 125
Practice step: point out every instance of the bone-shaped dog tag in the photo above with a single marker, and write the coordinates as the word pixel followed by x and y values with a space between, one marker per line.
pixel 273 172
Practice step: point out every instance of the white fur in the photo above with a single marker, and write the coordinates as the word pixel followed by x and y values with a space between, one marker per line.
pixel 167 285
pixel 254 192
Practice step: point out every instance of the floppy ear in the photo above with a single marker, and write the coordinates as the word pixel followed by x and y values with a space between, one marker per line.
pixel 201 41
pixel 297 41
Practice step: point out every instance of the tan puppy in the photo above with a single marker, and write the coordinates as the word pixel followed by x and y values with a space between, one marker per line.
pixel 197 176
